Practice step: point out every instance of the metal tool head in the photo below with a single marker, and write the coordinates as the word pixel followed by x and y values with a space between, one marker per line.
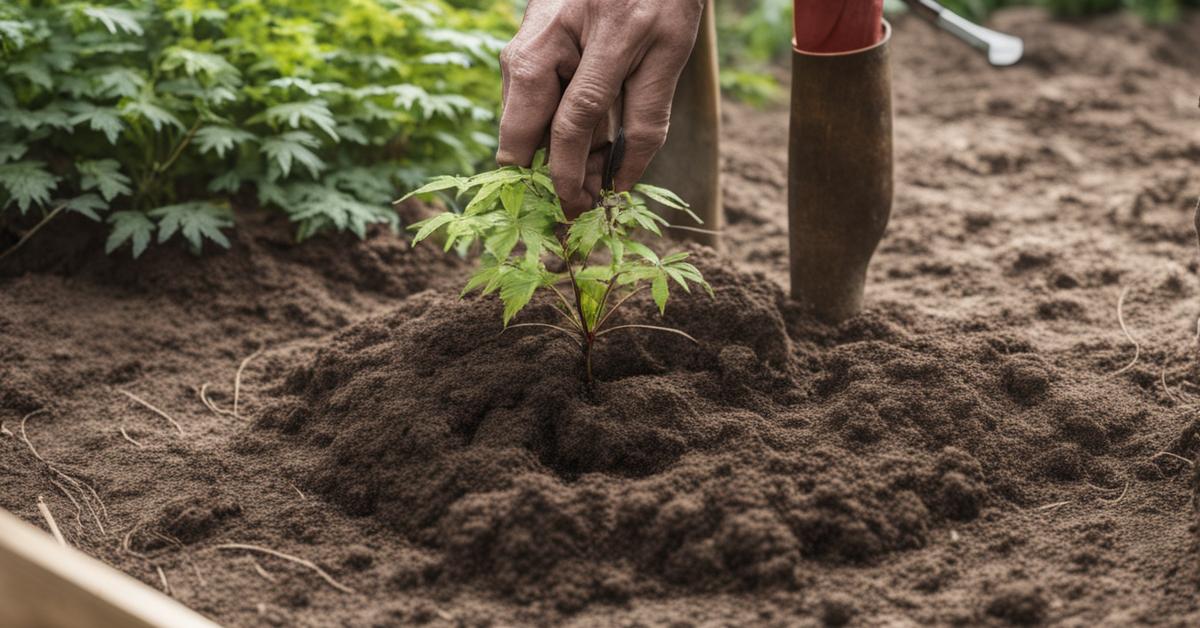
pixel 1001 49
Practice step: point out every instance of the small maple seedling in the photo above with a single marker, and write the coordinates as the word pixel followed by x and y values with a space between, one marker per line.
pixel 516 214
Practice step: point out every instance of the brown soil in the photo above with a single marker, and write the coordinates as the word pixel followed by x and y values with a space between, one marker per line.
pixel 979 447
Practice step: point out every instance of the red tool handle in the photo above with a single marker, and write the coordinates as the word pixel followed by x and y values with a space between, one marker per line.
pixel 832 26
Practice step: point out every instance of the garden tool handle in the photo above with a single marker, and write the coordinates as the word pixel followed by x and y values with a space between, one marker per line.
pixel 1001 49
pixel 616 154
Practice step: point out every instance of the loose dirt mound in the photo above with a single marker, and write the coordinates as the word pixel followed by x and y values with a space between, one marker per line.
pixel 723 465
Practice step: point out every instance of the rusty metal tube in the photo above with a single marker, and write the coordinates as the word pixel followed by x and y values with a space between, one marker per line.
pixel 840 173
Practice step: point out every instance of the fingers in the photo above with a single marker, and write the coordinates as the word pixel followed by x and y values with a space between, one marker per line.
pixel 647 103
pixel 531 95
pixel 587 100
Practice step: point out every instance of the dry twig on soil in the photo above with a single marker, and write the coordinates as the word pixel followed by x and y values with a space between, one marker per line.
pixel 83 487
pixel 210 404
pixel 237 379
pixel 1137 348
pixel 49 517
pixel 295 559
pixel 1171 455
pixel 262 572
pixel 153 409
pixel 130 438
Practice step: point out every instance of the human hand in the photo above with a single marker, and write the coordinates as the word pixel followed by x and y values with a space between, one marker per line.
pixel 575 62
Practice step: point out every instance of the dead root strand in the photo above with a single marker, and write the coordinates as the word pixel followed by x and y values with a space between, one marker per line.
pixel 152 408
pixel 288 557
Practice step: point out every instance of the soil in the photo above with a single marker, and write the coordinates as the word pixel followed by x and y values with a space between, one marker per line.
pixel 1003 437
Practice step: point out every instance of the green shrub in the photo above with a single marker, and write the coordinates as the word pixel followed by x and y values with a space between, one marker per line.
pixel 149 116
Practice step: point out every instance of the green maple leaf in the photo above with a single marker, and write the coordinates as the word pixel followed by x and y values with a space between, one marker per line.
pixel 104 175
pixel 106 120
pixel 27 183
pixel 317 206
pixel 115 19
pixel 586 231
pixel 152 113
pixel 12 152
pixel 518 286
pixel 196 220
pixel 36 72
pixel 295 114
pixel 195 63
pixel 129 226
pixel 88 205
pixel 220 139
pixel 294 146
pixel 118 82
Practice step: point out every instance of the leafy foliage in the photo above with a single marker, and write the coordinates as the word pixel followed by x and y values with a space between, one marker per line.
pixel 514 214
pixel 157 112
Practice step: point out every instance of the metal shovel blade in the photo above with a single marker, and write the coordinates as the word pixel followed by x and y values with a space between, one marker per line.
pixel 1001 49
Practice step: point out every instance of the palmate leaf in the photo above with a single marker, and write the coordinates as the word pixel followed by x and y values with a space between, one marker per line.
pixel 105 120
pixel 129 226
pixel 220 139
pixel 52 116
pixel 88 205
pixel 195 63
pixel 36 72
pixel 295 114
pixel 12 152
pixel 666 198
pixel 294 146
pixel 13 32
pixel 587 230
pixel 317 207
pixel 115 19
pixel 197 221
pixel 27 183
pixel 151 112
pixel 305 85
pixel 105 176
pixel 518 285
pixel 118 82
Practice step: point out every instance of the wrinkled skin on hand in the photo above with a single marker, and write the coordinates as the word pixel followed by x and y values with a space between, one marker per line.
pixel 577 68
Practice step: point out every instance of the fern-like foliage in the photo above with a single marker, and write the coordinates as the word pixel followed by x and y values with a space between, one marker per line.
pixel 156 112
pixel 513 214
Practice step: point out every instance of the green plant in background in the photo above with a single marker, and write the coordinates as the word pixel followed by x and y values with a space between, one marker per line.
pixel 150 116
pixel 515 213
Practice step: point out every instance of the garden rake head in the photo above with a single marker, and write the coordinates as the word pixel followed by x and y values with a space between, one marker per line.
pixel 1001 49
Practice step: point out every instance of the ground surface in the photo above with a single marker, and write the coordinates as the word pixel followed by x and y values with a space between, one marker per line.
pixel 979 447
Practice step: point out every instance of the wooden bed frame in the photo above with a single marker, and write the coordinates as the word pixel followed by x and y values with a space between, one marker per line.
pixel 47 585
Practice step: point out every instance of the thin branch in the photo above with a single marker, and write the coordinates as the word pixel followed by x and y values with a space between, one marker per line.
pixel 696 229
pixel 153 409
pixel 179 148
pixel 1137 348
pixel 45 510
pixel 611 310
pixel 29 234
pixel 566 304
pixel 295 559
pixel 237 380
pixel 653 327
pixel 568 332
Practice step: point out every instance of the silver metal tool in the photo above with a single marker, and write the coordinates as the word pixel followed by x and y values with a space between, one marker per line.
pixel 1001 49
